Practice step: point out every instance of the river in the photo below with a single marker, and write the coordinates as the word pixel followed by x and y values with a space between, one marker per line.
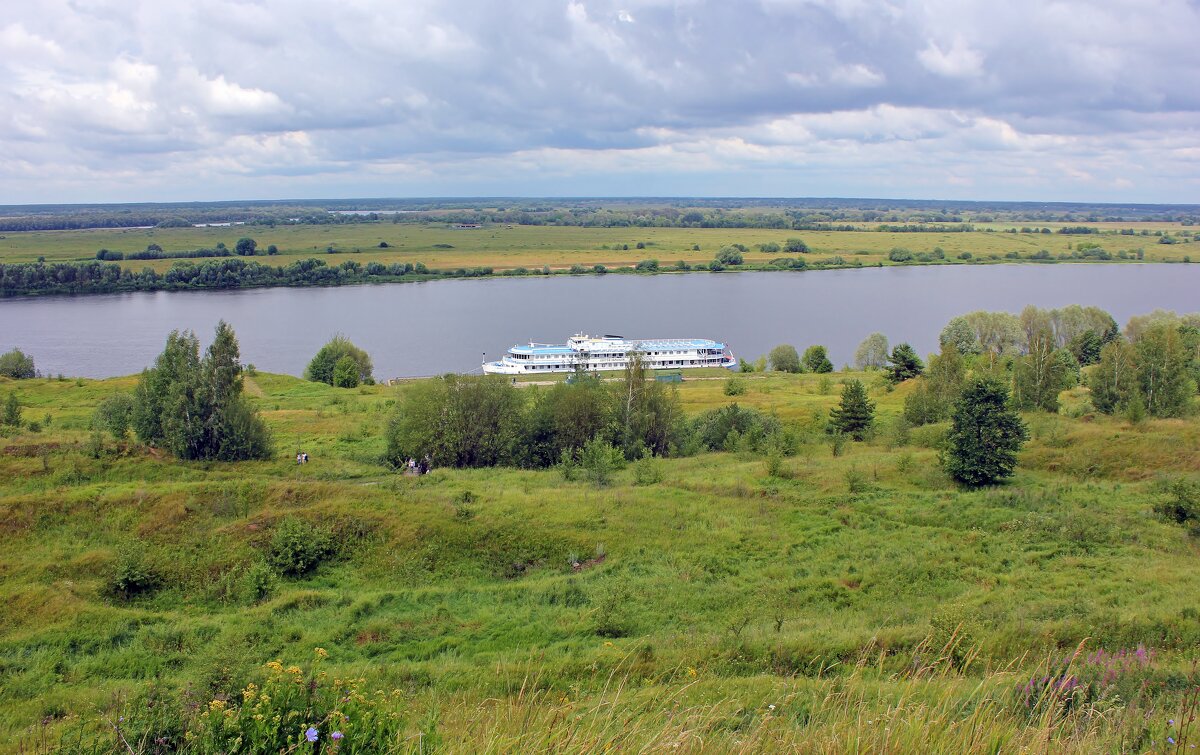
pixel 413 329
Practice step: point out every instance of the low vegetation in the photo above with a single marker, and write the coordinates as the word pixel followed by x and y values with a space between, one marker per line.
pixel 763 584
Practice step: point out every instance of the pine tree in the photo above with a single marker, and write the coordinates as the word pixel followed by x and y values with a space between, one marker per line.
pixel 816 359
pixel 12 411
pixel 985 435
pixel 855 414
pixel 905 364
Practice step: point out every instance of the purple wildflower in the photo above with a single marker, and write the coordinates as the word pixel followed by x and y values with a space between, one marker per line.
pixel 336 735
pixel 311 734
pixel 1171 740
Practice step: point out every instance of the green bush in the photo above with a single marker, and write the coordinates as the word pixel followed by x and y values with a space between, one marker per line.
pixel 297 547
pixel 17 365
pixel 133 575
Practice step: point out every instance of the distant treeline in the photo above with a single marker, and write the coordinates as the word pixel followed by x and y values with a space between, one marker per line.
pixel 159 254
pixel 94 276
pixel 102 277
pixel 796 214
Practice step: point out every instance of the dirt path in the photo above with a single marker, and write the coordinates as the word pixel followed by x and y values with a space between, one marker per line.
pixel 252 388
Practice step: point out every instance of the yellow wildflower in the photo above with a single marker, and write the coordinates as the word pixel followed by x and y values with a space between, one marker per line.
pixel 217 705
pixel 691 672
pixel 294 670
pixel 321 652
pixel 274 665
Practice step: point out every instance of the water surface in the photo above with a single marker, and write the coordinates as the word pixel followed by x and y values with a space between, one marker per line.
pixel 428 328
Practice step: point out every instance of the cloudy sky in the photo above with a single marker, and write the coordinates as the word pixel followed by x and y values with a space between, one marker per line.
pixel 133 100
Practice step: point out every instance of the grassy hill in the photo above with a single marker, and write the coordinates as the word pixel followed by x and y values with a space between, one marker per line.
pixel 849 602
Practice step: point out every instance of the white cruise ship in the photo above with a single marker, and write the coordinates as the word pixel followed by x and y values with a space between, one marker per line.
pixel 596 353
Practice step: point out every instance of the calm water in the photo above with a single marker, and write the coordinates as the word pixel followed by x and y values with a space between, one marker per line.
pixel 427 328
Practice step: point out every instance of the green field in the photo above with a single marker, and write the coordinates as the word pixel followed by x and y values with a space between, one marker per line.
pixel 853 603
pixel 510 246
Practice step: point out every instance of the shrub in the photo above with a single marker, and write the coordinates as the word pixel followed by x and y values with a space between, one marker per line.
pixel 599 460
pixel 900 255
pixel 647 471
pixel 258 582
pixel 748 428
pixel 795 246
pixel 613 616
pixel 17 365
pixel 114 415
pixel 735 386
pixel 1181 504
pixel 133 575
pixel 322 367
pixel 730 255
pixel 297 547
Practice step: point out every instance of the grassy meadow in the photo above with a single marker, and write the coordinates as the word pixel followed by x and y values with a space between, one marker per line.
pixel 859 602
pixel 558 247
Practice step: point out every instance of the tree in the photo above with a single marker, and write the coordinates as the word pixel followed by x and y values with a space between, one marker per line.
pixel 905 364
pixel 959 334
pixel 730 255
pixel 856 413
pixel 245 247
pixel 647 411
pixel 872 352
pixel 457 421
pixel 11 415
pixel 345 373
pixel 938 389
pixel 564 418
pixel 784 358
pixel 1085 347
pixel 17 365
pixel 1044 371
pixel 194 408
pixel 816 359
pixel 985 435
pixel 1114 379
pixel 1163 376
pixel 321 368
pixel 114 415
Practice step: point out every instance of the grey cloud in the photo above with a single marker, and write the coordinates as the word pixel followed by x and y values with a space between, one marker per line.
pixel 415 94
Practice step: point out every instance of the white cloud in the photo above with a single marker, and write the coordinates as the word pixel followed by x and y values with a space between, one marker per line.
pixel 599 96
pixel 958 61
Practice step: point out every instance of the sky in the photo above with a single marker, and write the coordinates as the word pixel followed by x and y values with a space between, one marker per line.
pixel 178 100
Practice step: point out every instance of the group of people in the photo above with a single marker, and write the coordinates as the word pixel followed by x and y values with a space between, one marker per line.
pixel 418 467
pixel 302 458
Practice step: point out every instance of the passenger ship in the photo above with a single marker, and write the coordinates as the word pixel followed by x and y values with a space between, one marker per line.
pixel 595 353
